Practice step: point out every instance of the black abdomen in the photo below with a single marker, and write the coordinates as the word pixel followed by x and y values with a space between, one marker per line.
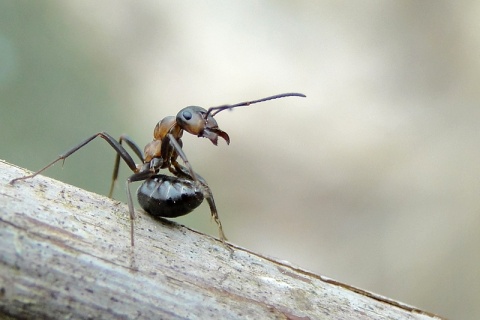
pixel 170 197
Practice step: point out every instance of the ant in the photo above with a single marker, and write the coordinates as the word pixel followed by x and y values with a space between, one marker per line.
pixel 161 195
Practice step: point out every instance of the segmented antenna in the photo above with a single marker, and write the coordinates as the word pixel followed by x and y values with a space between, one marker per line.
pixel 214 110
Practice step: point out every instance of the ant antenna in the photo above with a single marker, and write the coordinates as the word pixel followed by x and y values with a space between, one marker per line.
pixel 214 110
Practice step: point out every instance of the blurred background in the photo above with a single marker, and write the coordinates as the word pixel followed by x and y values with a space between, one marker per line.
pixel 373 179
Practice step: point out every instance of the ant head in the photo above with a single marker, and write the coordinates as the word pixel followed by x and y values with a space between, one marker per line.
pixel 200 122
pixel 195 120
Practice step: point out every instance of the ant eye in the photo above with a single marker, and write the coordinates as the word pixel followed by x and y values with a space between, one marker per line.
pixel 187 115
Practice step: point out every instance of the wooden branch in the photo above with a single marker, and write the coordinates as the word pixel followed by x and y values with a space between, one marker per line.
pixel 65 253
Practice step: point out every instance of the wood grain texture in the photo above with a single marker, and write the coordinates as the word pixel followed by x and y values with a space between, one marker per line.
pixel 65 253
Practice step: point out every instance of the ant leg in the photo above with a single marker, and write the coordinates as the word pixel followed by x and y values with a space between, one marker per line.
pixel 179 150
pixel 136 149
pixel 207 193
pixel 139 176
pixel 115 145
pixel 181 171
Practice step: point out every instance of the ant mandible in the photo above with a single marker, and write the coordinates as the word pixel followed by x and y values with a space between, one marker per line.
pixel 161 195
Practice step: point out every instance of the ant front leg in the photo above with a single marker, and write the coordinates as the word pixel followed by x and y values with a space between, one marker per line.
pixel 207 193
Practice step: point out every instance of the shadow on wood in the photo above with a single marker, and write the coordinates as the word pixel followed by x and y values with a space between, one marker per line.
pixel 65 253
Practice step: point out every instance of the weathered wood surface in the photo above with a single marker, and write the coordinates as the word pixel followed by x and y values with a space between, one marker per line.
pixel 65 253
